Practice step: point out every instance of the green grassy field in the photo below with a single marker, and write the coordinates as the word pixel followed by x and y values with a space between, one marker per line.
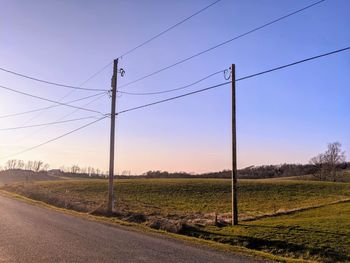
pixel 320 234
pixel 181 196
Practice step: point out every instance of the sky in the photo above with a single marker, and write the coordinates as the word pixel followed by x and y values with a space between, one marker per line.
pixel 287 116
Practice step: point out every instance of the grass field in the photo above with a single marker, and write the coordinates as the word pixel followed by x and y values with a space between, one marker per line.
pixel 182 196
pixel 321 234
pixel 310 234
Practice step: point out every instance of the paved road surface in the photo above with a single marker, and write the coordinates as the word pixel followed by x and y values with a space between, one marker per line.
pixel 32 234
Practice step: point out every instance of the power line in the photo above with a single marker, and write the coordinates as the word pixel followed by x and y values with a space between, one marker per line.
pixel 171 90
pixel 172 98
pixel 41 112
pixel 294 63
pixel 246 77
pixel 95 74
pixel 86 104
pixel 168 29
pixel 149 40
pixel 183 95
pixel 49 107
pixel 45 124
pixel 228 82
pixel 48 82
pixel 54 139
pixel 59 119
pixel 102 69
pixel 222 43
pixel 49 100
pixel 60 100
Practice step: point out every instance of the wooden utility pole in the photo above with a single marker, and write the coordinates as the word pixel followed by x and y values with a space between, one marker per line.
pixel 234 149
pixel 111 150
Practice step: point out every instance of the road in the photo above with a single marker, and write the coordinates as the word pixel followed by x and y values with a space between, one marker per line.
pixel 30 233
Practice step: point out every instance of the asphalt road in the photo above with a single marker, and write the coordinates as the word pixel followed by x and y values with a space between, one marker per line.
pixel 33 234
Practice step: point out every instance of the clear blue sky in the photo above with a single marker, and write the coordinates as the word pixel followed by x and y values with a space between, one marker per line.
pixel 286 116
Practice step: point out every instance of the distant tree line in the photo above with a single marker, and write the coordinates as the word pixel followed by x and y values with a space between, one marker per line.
pixel 35 166
pixel 329 166
pixel 164 174
pixel 273 171
pixel 252 172
pixel 83 172
pixel 40 166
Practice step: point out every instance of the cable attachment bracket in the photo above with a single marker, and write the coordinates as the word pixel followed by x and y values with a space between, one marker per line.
pixel 122 72
pixel 227 73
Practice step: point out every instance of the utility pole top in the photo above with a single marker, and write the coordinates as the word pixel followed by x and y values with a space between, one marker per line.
pixel 115 72
pixel 115 66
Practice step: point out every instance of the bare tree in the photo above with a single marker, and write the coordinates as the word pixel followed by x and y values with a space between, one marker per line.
pixel 318 163
pixel 20 164
pixel 83 170
pixel 327 163
pixel 29 165
pixel 45 167
pixel 13 164
pixel 75 169
pixel 37 166
pixel 334 156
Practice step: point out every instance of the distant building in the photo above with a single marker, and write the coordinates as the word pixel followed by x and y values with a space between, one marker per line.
pixel 55 172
